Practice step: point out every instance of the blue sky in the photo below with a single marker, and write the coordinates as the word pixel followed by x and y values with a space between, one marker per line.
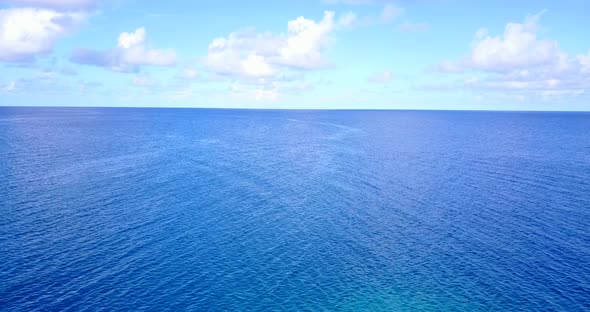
pixel 363 54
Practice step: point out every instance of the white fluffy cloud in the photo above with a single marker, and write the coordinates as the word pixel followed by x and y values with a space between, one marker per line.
pixel 31 28
pixel 306 40
pixel 518 60
pixel 129 40
pixel 517 48
pixel 27 32
pixel 251 54
pixel 256 65
pixel 54 4
pixel 131 52
pixel 135 52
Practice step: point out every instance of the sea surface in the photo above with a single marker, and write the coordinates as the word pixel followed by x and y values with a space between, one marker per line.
pixel 113 209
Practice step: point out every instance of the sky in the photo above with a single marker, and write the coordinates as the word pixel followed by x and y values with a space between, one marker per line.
pixel 308 54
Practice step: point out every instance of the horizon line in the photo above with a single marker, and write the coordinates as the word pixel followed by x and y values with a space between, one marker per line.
pixel 303 109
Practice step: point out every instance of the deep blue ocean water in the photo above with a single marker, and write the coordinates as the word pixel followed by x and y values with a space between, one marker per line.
pixel 105 209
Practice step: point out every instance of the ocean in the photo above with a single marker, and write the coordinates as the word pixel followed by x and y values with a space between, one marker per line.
pixel 121 209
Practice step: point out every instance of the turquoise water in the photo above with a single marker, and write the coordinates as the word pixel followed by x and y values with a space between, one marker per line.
pixel 246 210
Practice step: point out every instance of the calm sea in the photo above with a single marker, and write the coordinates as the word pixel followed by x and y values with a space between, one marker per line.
pixel 105 209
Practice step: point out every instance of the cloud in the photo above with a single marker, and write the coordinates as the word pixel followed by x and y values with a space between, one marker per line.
pixel 518 60
pixel 131 53
pixel 305 41
pixel 229 56
pixel 55 4
pixel 256 66
pixel 517 48
pixel 249 54
pixel 381 77
pixel 11 86
pixel 26 33
pixel 31 28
